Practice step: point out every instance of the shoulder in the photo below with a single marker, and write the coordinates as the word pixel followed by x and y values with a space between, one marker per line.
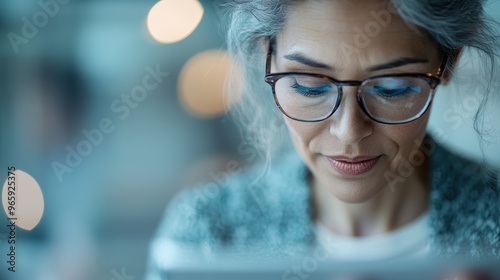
pixel 249 209
pixel 463 181
pixel 465 205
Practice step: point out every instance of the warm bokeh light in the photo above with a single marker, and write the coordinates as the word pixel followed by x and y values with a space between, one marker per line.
pixel 171 21
pixel 203 83
pixel 29 203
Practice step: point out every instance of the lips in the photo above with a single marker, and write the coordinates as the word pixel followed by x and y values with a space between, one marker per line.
pixel 353 166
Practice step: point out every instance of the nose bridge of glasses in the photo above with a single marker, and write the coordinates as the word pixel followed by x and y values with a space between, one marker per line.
pixel 350 104
pixel 343 84
pixel 349 101
pixel 349 120
pixel 349 84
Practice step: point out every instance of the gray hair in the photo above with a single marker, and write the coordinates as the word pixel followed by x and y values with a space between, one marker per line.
pixel 452 24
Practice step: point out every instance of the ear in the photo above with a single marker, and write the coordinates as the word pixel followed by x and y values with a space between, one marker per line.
pixel 453 58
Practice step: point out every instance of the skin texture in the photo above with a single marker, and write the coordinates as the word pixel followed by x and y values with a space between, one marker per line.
pixel 362 205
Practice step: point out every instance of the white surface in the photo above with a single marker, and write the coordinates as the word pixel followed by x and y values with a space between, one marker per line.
pixel 408 241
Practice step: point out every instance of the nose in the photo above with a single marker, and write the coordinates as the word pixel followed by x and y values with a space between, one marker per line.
pixel 349 123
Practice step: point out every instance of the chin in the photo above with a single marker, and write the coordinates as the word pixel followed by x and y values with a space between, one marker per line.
pixel 354 192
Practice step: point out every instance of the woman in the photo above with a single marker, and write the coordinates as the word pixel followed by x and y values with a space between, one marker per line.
pixel 354 83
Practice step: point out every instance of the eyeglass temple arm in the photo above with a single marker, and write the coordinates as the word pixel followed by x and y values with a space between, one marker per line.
pixel 443 67
pixel 269 56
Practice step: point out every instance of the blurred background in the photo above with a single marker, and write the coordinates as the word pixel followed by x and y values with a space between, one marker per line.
pixel 112 115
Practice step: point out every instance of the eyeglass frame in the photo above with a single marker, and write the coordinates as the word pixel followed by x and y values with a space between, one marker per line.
pixel 431 79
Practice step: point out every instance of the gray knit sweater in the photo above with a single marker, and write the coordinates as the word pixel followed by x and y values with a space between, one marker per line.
pixel 274 214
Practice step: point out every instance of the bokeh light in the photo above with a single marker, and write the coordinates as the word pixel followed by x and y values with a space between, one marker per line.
pixel 204 81
pixel 171 21
pixel 28 205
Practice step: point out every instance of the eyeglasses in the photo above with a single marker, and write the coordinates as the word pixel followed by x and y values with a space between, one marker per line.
pixel 387 99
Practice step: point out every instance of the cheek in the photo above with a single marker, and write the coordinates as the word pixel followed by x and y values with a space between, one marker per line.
pixel 302 133
pixel 405 138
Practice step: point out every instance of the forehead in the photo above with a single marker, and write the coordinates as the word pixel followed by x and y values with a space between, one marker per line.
pixel 341 15
pixel 366 28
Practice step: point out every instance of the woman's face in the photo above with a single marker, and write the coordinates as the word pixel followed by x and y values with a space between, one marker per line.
pixel 348 153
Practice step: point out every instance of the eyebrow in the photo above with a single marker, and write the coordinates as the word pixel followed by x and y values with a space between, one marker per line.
pixel 307 61
pixel 397 63
pixel 388 65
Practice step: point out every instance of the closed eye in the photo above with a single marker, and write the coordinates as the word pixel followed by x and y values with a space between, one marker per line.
pixel 312 91
pixel 395 92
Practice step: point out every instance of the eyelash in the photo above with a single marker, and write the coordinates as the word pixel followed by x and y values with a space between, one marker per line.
pixel 399 93
pixel 309 92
